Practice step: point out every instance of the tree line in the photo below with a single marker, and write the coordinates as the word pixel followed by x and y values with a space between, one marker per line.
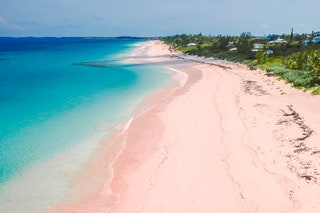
pixel 294 54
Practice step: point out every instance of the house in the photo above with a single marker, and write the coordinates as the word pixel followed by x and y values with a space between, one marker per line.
pixel 230 43
pixel 316 39
pixel 269 52
pixel 315 33
pixel 257 47
pixel 191 45
pixel 306 43
pixel 278 41
pixel 233 49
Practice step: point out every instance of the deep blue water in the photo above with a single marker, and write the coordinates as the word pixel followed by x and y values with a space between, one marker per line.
pixel 58 92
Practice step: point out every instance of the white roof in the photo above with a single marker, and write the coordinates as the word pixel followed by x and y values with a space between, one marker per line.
pixel 258 46
pixel 191 44
pixel 278 41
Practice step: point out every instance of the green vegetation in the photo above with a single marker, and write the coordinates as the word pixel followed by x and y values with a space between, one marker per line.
pixel 293 57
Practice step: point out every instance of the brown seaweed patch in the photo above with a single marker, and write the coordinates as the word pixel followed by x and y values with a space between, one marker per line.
pixel 252 88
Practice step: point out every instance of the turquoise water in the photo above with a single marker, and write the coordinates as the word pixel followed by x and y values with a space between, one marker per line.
pixel 57 93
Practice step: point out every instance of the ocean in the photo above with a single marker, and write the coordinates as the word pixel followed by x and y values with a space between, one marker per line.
pixel 56 93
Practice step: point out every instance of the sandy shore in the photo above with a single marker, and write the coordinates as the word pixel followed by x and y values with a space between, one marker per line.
pixel 224 139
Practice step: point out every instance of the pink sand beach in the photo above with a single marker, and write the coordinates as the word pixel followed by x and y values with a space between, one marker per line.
pixel 222 139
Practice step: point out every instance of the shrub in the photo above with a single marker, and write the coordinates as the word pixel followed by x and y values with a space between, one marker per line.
pixel 316 91
pixel 305 60
pixel 261 56
pixel 314 63
pixel 298 78
pixel 297 61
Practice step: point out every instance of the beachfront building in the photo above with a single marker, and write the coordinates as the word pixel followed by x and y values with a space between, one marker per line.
pixel 316 39
pixel 306 43
pixel 257 47
pixel 191 45
pixel 278 41
pixel 269 52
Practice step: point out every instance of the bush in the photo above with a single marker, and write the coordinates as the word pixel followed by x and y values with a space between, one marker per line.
pixel 305 60
pixel 298 78
pixel 316 91
pixel 297 61
pixel 261 56
pixel 314 63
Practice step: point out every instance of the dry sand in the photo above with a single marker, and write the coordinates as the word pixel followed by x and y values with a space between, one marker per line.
pixel 224 139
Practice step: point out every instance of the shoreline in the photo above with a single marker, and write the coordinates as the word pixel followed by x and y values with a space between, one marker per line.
pixel 44 186
pixel 223 140
pixel 101 199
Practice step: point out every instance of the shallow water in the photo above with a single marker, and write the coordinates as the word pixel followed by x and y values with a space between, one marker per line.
pixel 58 93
